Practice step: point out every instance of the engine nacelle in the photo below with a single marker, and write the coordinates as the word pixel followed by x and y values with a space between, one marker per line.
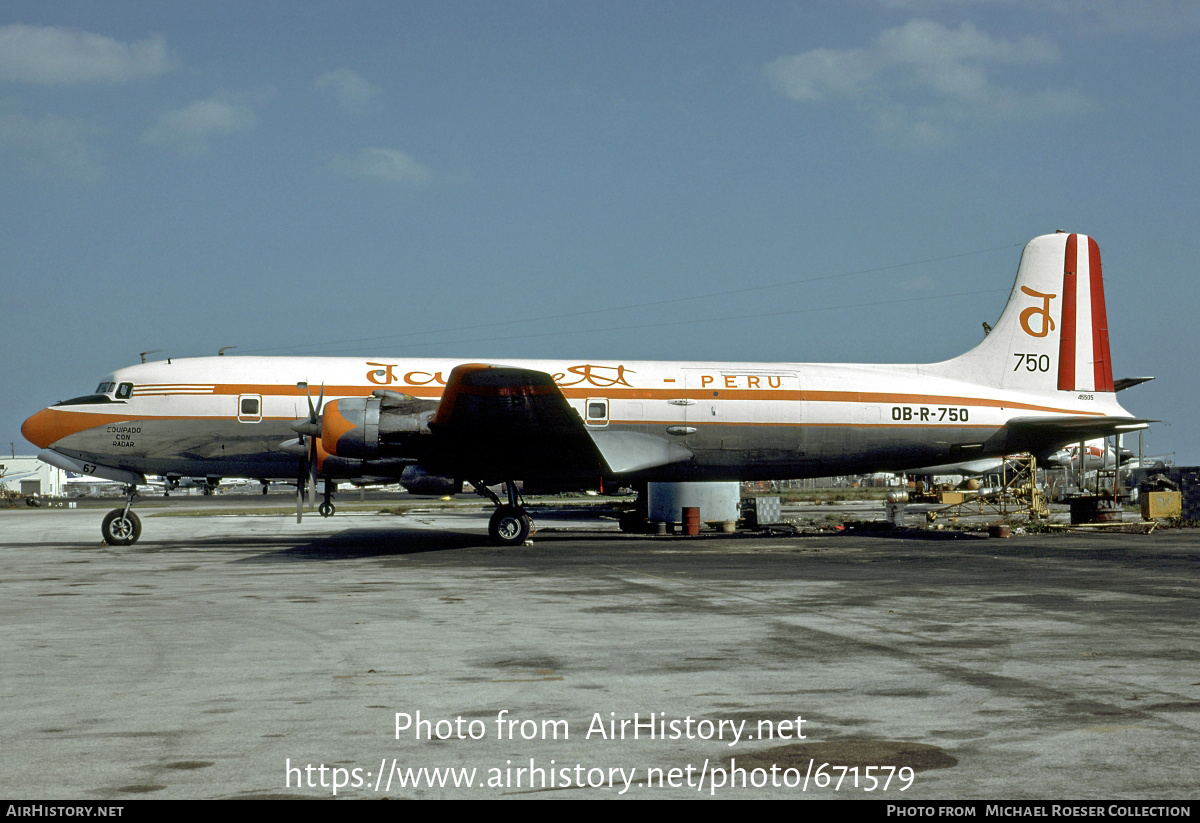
pixel 386 424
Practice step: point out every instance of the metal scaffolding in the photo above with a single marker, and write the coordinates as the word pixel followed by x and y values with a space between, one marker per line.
pixel 1017 495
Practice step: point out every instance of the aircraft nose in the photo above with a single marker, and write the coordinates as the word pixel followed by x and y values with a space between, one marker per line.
pixel 42 429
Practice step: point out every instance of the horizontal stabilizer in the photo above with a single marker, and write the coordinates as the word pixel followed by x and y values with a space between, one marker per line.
pixel 1042 434
pixel 1129 382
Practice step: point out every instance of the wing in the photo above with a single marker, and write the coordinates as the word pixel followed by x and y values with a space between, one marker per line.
pixel 506 422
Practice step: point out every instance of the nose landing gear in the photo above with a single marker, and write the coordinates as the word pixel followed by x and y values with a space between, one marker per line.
pixel 326 509
pixel 121 527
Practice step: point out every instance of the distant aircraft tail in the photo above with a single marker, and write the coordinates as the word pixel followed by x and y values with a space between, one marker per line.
pixel 1053 333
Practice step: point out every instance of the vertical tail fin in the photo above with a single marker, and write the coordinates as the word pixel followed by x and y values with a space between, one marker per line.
pixel 1053 333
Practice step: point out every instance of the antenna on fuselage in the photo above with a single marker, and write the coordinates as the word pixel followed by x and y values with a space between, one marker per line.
pixel 221 353
pixel 152 351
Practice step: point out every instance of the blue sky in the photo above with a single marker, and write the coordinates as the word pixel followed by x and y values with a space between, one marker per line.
pixel 616 180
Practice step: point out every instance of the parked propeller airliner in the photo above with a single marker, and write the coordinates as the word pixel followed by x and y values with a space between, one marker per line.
pixel 1041 379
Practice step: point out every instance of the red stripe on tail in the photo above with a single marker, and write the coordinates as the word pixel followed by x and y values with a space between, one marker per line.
pixel 1066 339
pixel 1100 356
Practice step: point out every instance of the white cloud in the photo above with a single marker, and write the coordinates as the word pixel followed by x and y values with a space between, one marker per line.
pixel 924 78
pixel 190 129
pixel 390 165
pixel 822 73
pixel 58 56
pixel 1162 18
pixel 52 146
pixel 353 92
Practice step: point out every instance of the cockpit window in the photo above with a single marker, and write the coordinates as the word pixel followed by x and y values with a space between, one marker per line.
pixel 86 400
pixel 104 394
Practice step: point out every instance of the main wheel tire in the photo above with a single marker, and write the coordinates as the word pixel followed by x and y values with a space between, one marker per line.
pixel 509 526
pixel 121 528
pixel 326 509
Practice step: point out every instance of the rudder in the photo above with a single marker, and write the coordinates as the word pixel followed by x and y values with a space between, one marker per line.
pixel 1084 362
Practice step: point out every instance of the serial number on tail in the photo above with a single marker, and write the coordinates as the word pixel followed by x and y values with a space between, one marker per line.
pixel 1031 362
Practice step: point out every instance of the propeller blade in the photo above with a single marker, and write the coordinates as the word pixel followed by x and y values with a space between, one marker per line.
pixel 312 449
pixel 300 490
pixel 314 415
pixel 306 478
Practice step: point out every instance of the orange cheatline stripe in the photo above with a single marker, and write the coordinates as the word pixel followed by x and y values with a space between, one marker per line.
pixel 288 390
pixel 814 396
pixel 791 395
pixel 838 397
pixel 59 424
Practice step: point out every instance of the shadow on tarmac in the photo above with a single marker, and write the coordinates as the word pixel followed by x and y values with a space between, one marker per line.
pixel 364 543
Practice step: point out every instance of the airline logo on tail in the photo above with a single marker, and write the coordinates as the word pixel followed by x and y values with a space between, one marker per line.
pixel 1042 311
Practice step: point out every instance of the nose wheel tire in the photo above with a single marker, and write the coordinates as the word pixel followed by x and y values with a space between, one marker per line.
pixel 509 526
pixel 121 528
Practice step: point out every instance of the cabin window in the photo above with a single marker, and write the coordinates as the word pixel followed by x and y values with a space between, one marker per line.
pixel 250 408
pixel 597 412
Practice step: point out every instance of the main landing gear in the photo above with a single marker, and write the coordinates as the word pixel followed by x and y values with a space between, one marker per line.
pixel 510 525
pixel 121 527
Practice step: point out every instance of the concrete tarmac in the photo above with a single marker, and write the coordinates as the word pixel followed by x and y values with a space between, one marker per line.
pixel 248 656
